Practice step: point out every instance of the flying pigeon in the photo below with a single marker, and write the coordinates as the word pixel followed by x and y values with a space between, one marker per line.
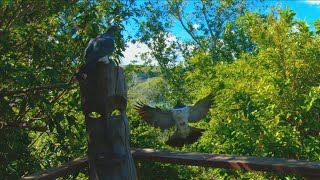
pixel 179 116
pixel 99 49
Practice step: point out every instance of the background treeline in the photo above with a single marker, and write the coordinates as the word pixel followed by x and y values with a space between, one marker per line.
pixel 264 68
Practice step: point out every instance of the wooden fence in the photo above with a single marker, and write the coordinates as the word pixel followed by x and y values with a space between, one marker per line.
pixel 306 169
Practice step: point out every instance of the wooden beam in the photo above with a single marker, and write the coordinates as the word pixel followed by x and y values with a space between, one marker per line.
pixel 60 171
pixel 288 166
pixel 308 169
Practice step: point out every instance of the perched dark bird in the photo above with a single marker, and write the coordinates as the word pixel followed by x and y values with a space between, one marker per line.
pixel 179 116
pixel 99 49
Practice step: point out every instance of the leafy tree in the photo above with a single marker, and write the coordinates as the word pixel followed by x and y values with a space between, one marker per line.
pixel 217 35
pixel 269 99
pixel 41 45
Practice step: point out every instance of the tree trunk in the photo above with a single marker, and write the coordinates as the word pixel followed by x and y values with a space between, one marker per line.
pixel 103 92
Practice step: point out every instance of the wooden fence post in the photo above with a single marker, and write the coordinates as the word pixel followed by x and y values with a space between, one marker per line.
pixel 103 93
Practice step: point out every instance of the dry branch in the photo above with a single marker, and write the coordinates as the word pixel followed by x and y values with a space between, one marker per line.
pixel 38 88
pixel 22 125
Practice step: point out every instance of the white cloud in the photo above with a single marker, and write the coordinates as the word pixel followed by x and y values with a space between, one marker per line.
pixel 315 2
pixel 295 28
pixel 196 26
pixel 191 47
pixel 133 53
pixel 171 38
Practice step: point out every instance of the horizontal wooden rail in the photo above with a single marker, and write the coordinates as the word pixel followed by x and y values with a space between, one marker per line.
pixel 303 168
pixel 307 169
pixel 60 171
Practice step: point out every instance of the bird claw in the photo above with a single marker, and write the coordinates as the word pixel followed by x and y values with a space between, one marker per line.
pixel 84 76
pixel 74 79
pixel 104 59
pixel 79 77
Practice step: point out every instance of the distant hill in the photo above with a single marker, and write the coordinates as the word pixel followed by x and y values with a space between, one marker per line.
pixel 148 90
pixel 145 84
pixel 143 72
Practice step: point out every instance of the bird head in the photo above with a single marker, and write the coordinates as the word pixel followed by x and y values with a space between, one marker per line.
pixel 113 29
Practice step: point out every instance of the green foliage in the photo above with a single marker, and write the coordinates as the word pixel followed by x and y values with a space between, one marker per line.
pixel 269 105
pixel 218 34
pixel 267 101
pixel 42 45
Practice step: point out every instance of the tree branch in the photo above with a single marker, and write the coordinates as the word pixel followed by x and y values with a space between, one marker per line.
pixel 4 14
pixel 204 11
pixel 20 12
pixel 178 16
pixel 22 125
pixel 38 88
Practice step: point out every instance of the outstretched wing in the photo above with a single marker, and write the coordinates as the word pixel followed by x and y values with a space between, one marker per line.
pixel 200 109
pixel 155 116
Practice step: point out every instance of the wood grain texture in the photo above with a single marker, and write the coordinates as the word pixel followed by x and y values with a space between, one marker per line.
pixel 102 92
pixel 60 171
pixel 304 168
pixel 280 165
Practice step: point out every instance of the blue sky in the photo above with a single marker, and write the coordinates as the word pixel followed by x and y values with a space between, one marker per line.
pixel 304 9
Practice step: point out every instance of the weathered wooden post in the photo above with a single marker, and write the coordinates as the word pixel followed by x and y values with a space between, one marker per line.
pixel 103 92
